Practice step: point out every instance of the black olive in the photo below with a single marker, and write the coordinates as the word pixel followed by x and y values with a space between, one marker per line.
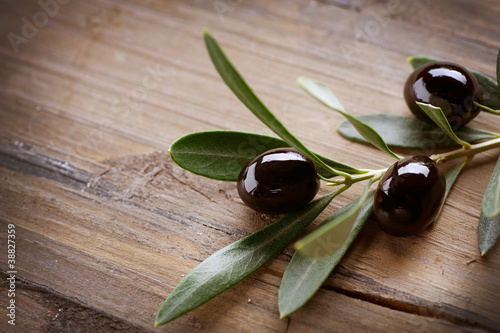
pixel 278 181
pixel 409 196
pixel 449 86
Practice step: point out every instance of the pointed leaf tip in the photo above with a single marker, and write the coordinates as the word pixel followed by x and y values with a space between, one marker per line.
pixel 437 116
pixel 491 199
pixel 488 232
pixel 246 95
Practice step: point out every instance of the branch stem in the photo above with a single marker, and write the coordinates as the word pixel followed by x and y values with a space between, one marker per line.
pixel 466 152
pixel 488 109
pixel 469 152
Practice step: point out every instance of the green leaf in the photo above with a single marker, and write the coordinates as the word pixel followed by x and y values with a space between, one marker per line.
pixel 410 132
pixel 491 198
pixel 417 61
pixel 498 68
pixel 491 92
pixel 228 266
pixel 222 154
pixel 305 275
pixel 323 94
pixel 245 94
pixel 488 233
pixel 488 109
pixel 437 115
pixel 451 176
pixel 336 166
pixel 327 239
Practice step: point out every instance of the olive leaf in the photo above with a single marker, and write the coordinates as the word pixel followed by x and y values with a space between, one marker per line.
pixel 305 275
pixel 490 88
pixel 451 176
pixel 487 109
pixel 491 199
pixel 488 233
pixel 228 266
pixel 498 69
pixel 437 115
pixel 323 94
pixel 410 132
pixel 222 155
pixel 240 88
pixel 417 61
pixel 327 239
pixel 336 166
pixel 491 92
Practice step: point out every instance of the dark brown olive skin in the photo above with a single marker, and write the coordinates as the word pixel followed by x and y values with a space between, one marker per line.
pixel 278 181
pixel 409 196
pixel 447 85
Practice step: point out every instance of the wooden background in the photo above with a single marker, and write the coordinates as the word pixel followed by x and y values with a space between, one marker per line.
pixel 106 224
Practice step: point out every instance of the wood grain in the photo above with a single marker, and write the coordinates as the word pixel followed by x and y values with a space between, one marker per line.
pixel 107 225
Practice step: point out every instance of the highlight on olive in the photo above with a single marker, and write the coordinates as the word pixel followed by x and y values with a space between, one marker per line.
pixel 278 181
pixel 447 85
pixel 409 196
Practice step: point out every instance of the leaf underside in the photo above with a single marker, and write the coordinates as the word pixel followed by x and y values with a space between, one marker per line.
pixel 410 132
pixel 491 199
pixel 488 233
pixel 489 221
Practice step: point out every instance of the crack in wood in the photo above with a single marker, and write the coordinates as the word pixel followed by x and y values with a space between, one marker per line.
pixel 402 301
pixel 32 163
pixel 67 314
pixel 38 165
pixel 142 179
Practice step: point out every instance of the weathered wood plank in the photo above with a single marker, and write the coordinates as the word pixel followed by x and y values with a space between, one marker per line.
pixel 108 225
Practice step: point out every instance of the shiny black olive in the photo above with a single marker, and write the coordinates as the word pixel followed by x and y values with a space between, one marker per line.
pixel 278 181
pixel 449 86
pixel 409 196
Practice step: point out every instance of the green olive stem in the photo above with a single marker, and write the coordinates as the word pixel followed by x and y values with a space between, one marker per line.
pixel 466 152
pixel 488 109
pixel 469 152
pixel 372 174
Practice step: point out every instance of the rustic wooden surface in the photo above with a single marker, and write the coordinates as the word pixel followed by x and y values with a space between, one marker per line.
pixel 107 225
